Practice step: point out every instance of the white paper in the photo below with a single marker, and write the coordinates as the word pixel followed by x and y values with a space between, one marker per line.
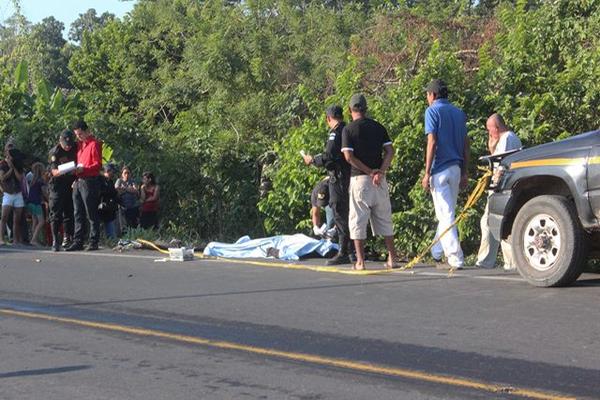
pixel 66 167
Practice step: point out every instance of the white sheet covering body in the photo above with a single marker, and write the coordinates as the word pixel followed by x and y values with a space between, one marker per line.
pixel 284 247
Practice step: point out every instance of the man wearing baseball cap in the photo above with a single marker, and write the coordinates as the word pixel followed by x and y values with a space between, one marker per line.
pixel 368 149
pixel 333 160
pixel 446 160
pixel 60 190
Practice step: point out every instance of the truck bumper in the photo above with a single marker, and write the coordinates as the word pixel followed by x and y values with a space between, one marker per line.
pixel 498 203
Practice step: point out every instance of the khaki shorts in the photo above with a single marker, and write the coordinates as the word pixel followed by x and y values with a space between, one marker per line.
pixel 369 202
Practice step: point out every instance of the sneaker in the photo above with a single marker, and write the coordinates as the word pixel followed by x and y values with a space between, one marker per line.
pixel 446 266
pixel 509 267
pixel 67 242
pixel 477 265
pixel 330 233
pixel 55 246
pixel 339 259
pixel 75 247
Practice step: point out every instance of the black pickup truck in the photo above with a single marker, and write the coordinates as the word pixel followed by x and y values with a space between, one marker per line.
pixel 546 203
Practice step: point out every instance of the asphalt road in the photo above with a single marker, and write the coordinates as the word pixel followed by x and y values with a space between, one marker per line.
pixel 122 326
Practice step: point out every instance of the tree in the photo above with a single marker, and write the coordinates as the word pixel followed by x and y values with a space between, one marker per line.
pixel 44 49
pixel 201 92
pixel 34 118
pixel 88 22
pixel 10 33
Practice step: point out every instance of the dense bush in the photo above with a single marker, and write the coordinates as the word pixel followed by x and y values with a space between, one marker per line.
pixel 201 92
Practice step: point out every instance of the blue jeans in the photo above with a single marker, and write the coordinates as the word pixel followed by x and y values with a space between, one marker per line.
pixel 110 229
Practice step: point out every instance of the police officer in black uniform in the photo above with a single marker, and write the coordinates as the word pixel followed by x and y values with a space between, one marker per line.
pixel 60 193
pixel 338 168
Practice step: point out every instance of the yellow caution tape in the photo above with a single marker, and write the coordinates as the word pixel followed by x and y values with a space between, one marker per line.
pixel 475 195
pixel 278 265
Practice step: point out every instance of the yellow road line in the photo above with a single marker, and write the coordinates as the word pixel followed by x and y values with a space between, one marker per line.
pixel 308 358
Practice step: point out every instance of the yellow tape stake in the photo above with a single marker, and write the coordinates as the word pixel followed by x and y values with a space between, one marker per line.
pixel 357 366
pixel 315 268
pixel 475 195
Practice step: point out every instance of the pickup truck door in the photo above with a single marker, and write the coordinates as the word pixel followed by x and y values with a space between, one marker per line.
pixel 593 180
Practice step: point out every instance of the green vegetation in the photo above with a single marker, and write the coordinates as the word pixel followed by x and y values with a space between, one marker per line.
pixel 202 92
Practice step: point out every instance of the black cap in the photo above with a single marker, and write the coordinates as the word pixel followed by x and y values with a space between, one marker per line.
pixel 437 87
pixel 67 138
pixel 110 167
pixel 358 102
pixel 334 111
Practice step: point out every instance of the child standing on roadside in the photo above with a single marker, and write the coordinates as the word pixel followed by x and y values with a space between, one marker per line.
pixel 34 201
pixel 150 201
pixel 128 192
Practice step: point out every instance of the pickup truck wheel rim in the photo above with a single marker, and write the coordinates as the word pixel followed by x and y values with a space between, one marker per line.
pixel 542 242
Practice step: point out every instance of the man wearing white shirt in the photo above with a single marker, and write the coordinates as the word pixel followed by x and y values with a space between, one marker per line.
pixel 500 140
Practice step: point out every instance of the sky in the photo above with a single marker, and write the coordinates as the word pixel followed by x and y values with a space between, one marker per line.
pixel 65 11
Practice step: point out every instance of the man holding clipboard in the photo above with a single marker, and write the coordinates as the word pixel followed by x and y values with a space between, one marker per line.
pixel 86 189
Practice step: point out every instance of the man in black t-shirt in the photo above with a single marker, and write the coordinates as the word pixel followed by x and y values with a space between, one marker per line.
pixel 60 190
pixel 363 142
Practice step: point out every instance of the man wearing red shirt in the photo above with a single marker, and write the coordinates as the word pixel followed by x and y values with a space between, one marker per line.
pixel 86 189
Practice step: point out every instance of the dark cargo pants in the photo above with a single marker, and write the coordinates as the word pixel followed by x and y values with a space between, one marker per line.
pixel 60 203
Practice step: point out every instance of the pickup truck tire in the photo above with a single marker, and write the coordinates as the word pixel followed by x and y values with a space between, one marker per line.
pixel 549 246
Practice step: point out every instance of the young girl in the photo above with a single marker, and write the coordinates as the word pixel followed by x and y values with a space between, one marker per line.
pixel 150 201
pixel 34 201
pixel 128 198
pixel 11 176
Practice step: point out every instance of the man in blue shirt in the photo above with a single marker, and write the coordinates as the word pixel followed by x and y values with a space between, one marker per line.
pixel 446 160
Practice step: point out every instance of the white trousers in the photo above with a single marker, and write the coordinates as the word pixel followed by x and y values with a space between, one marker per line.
pixel 444 190
pixel 488 249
